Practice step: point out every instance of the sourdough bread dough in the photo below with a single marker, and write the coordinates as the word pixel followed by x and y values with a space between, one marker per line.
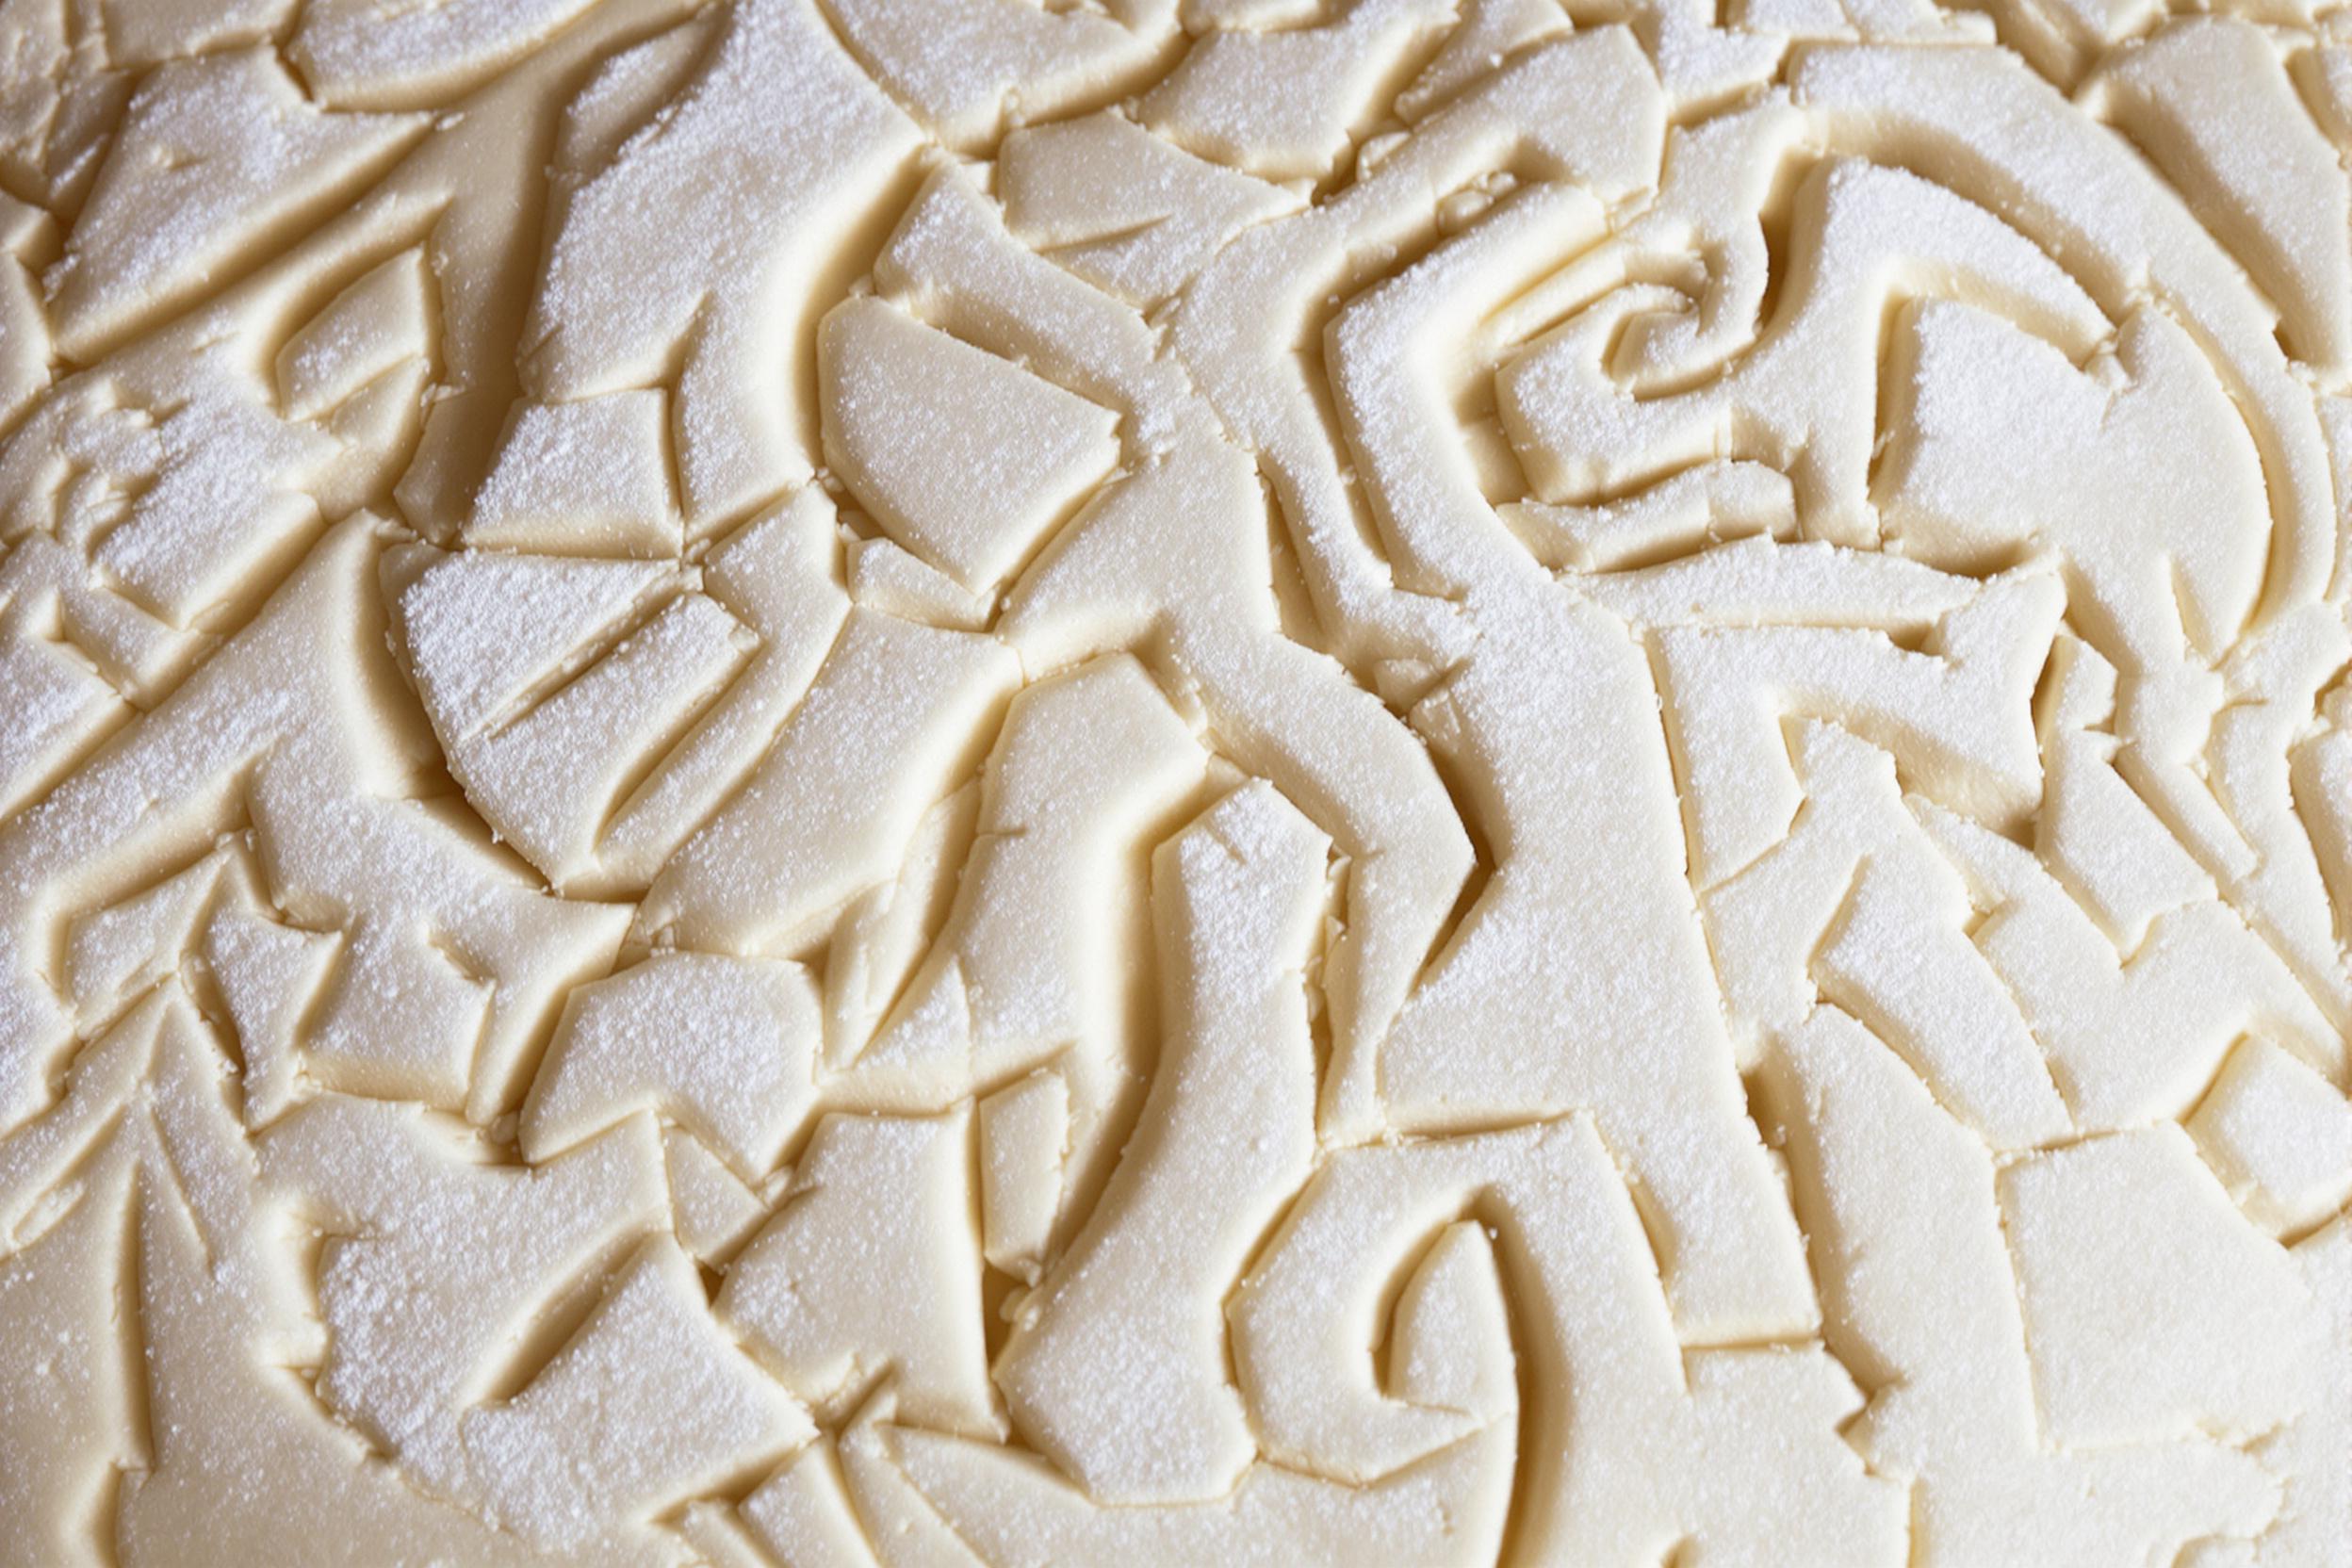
pixel 967 784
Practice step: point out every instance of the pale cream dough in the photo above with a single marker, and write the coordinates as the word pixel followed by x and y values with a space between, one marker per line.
pixel 949 784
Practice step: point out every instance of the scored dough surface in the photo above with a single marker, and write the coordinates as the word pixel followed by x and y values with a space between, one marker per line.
pixel 969 784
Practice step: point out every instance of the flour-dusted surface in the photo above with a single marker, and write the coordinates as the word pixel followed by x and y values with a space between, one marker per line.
pixel 966 784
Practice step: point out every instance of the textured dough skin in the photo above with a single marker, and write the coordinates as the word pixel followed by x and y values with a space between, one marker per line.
pixel 958 784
